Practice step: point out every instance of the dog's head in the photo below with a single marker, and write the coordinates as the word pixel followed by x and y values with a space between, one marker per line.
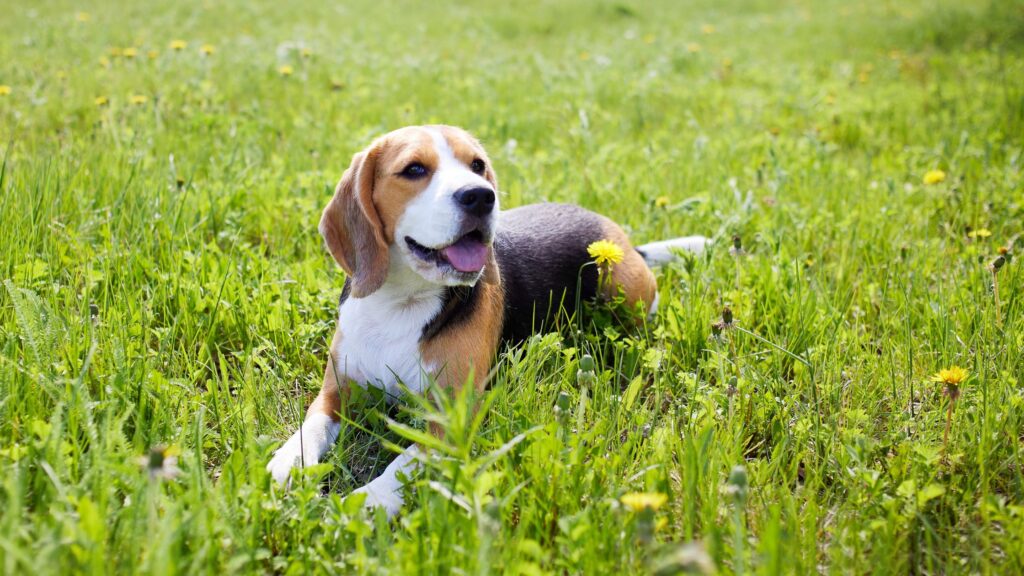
pixel 426 194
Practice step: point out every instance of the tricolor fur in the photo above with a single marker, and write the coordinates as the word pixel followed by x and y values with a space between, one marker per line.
pixel 438 277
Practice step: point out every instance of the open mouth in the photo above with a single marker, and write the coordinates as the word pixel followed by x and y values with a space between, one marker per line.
pixel 468 254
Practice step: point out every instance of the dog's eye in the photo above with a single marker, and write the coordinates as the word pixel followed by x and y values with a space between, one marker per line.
pixel 478 166
pixel 413 171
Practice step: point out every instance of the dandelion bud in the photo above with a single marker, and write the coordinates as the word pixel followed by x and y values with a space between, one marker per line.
pixel 738 476
pixel 737 246
pixel 562 402
pixel 727 316
pixel 156 457
pixel 587 363
pixel 161 463
pixel 738 483
pixel 998 263
pixel 493 510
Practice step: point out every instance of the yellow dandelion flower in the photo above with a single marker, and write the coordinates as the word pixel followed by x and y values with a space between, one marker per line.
pixel 934 177
pixel 4 90
pixel 104 62
pixel 707 29
pixel 152 54
pixel 584 55
pixel 638 501
pixel 207 49
pixel 649 38
pixel 129 52
pixel 285 70
pixel 116 52
pixel 178 45
pixel 83 16
pixel 139 99
pixel 605 252
pixel 306 52
pixel 661 201
pixel 101 101
pixel 952 376
pixel 979 233
pixel 693 47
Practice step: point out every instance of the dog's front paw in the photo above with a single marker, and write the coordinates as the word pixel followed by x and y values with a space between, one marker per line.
pixel 386 490
pixel 305 448
pixel 383 494
pixel 290 456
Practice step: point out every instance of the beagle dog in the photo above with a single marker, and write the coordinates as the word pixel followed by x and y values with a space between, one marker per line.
pixel 437 278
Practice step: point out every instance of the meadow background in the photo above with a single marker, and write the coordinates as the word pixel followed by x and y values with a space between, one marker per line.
pixel 163 169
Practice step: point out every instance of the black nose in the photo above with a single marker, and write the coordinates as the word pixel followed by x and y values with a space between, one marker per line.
pixel 478 201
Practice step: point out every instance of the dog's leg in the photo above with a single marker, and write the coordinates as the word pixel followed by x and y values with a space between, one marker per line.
pixel 320 428
pixel 465 355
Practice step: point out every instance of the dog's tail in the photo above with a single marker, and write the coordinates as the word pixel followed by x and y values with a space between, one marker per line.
pixel 665 251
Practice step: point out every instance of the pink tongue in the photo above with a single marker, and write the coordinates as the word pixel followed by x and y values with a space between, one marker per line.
pixel 467 255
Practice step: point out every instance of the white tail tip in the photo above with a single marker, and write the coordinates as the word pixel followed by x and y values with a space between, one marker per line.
pixel 663 252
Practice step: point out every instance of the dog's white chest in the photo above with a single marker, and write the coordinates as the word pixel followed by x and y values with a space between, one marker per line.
pixel 380 339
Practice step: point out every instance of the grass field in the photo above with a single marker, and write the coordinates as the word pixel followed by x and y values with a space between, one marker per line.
pixel 164 166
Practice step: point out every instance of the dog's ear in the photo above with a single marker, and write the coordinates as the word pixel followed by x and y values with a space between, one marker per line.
pixel 352 229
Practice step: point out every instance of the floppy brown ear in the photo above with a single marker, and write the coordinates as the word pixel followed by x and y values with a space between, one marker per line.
pixel 352 229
